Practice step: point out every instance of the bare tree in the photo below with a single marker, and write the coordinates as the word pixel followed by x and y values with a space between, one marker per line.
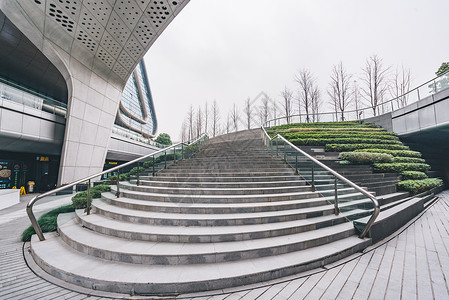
pixel 375 82
pixel 199 122
pixel 356 98
pixel 228 123
pixel 339 91
pixel 315 97
pixel 185 131
pixel 206 118
pixel 401 85
pixel 190 121
pixel 274 110
pixel 215 118
pixel 248 112
pixel 264 110
pixel 306 85
pixel 287 105
pixel 235 117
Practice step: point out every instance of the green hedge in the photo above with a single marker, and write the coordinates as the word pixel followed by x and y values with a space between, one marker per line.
pixel 413 175
pixel 365 157
pixel 354 124
pixel 80 199
pixel 352 147
pixel 419 186
pixel 400 167
pixel 47 222
pixel 341 134
pixel 342 141
pixel 400 159
pixel 401 153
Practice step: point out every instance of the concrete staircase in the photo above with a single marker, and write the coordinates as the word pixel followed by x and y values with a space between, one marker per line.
pixel 231 215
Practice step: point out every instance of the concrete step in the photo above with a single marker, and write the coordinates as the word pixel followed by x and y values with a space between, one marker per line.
pixel 140 212
pixel 224 208
pixel 224 173
pixel 207 178
pixel 137 251
pixel 205 234
pixel 55 257
pixel 241 185
pixel 191 191
pixel 180 198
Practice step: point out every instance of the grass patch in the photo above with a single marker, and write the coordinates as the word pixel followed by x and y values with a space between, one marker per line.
pixel 47 221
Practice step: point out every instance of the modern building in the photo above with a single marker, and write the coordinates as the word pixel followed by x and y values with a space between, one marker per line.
pixel 73 93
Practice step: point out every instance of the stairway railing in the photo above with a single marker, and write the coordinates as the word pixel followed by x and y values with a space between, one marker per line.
pixel 169 155
pixel 298 153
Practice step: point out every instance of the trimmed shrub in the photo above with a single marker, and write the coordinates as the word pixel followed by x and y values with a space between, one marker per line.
pixel 419 186
pixel 80 199
pixel 352 147
pixel 400 167
pixel 341 134
pixel 134 170
pixel 401 153
pixel 400 159
pixel 340 141
pixel 413 175
pixel 113 179
pixel 326 124
pixel 47 222
pixel 365 157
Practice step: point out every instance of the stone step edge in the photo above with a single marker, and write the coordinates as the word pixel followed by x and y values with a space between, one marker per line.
pixel 156 280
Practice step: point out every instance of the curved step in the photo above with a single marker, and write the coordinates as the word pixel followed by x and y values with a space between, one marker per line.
pixel 65 263
pixel 205 234
pixel 162 253
pixel 241 185
pixel 205 178
pixel 133 211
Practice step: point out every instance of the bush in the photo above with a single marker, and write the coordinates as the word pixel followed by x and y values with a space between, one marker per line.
pixel 413 175
pixel 400 167
pixel 47 222
pixel 419 186
pixel 401 153
pixel 365 157
pixel 80 199
pixel 339 134
pixel 352 147
pixel 113 179
pixel 408 160
pixel 351 124
pixel 134 170
pixel 323 142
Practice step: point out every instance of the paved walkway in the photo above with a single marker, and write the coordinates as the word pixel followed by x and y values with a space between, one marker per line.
pixel 413 264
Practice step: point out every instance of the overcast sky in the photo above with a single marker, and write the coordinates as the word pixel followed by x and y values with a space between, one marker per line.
pixel 230 50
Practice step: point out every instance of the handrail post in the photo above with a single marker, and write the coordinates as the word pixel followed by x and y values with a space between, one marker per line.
pixel 313 177
pixel 88 198
pixel 117 194
pixel 34 222
pixel 285 153
pixel 182 151
pixel 296 163
pixel 174 155
pixel 154 162
pixel 277 147
pixel 165 159
pixel 336 209
pixel 138 174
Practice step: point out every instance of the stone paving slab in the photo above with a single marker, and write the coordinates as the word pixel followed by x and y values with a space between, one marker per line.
pixel 412 264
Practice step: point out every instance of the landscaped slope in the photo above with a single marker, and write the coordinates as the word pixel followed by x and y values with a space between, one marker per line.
pixel 364 143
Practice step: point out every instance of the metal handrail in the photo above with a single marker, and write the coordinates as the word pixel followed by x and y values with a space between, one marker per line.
pixel 336 175
pixel 30 204
pixel 359 111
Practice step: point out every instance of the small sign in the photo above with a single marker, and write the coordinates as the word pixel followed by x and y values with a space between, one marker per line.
pixel 44 158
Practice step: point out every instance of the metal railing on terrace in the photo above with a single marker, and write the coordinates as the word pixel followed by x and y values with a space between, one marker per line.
pixel 424 90
pixel 135 136
pixel 14 92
